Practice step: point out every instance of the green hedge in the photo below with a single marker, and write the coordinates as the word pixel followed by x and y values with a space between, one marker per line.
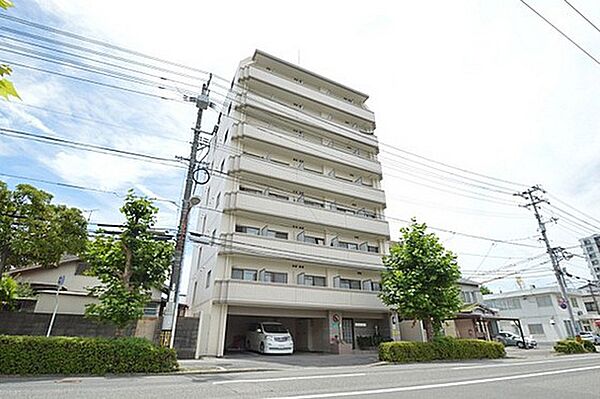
pixel 74 355
pixel 571 346
pixel 443 348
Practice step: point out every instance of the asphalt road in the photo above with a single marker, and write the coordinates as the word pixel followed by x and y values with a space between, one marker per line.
pixel 575 376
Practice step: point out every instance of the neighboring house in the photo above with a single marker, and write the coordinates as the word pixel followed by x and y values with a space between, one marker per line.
pixel 591 301
pixel 475 320
pixel 295 233
pixel 591 248
pixel 73 295
pixel 540 312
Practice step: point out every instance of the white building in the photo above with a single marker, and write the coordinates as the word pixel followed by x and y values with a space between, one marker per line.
pixel 540 312
pixel 292 218
pixel 591 248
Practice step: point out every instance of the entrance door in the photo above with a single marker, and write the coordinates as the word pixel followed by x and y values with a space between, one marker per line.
pixel 348 331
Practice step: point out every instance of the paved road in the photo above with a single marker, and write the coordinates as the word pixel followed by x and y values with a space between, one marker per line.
pixel 575 376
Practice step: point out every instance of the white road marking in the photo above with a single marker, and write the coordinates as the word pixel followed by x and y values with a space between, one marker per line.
pixel 483 366
pixel 433 386
pixel 305 377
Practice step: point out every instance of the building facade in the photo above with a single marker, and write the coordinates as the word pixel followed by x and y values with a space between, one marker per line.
pixel 540 312
pixel 292 226
pixel 591 248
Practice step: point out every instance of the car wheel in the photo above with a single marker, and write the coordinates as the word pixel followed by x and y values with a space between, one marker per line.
pixel 262 347
pixel 520 345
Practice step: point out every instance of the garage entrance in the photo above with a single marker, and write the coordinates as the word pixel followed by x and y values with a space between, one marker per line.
pixel 309 334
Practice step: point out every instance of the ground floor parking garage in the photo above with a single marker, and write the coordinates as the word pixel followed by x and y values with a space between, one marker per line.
pixel 225 329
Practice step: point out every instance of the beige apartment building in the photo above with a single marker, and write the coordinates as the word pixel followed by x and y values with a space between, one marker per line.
pixel 291 226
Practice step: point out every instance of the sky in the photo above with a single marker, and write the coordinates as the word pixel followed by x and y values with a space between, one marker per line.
pixel 485 86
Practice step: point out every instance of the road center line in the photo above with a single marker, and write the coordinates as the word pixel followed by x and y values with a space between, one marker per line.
pixel 484 366
pixel 433 386
pixel 306 377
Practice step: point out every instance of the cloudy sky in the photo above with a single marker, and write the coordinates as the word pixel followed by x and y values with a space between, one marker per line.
pixel 486 86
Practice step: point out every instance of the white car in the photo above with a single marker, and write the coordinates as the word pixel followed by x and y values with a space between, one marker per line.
pixel 589 336
pixel 269 337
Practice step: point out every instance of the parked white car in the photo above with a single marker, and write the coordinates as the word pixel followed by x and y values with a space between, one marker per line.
pixel 589 336
pixel 269 337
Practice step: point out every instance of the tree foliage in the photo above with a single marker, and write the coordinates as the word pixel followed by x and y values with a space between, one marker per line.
pixel 35 231
pixel 128 266
pixel 6 86
pixel 421 279
pixel 485 290
pixel 8 290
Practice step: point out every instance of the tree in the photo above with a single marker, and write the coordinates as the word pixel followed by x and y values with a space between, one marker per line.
pixel 485 290
pixel 8 290
pixel 35 231
pixel 6 86
pixel 421 279
pixel 128 266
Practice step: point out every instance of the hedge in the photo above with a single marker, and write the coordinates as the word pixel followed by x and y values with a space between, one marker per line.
pixel 73 355
pixel 443 348
pixel 571 346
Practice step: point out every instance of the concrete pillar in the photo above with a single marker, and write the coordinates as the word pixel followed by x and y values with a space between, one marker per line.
pixel 394 323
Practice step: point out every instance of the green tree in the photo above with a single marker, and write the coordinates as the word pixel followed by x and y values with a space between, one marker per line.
pixel 421 279
pixel 128 266
pixel 8 290
pixel 35 231
pixel 6 86
pixel 485 290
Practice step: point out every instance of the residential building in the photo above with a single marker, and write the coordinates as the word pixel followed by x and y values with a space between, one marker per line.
pixel 591 301
pixel 540 312
pixel 591 249
pixel 292 226
pixel 73 294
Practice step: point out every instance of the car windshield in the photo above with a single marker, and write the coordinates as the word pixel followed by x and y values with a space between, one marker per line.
pixel 274 328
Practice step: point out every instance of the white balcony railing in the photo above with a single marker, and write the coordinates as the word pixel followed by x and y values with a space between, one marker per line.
pixel 252 293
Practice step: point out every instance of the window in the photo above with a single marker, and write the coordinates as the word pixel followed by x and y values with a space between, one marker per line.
pixel 350 284
pixel 218 201
pixel 279 196
pixel 277 234
pixel 347 245
pixel 505 304
pixel 590 307
pixel 81 269
pixel 574 303
pixel 247 230
pixel 213 236
pixel 229 108
pixel 373 248
pixel 316 281
pixel 250 190
pixel 586 242
pixel 207 279
pixel 275 277
pixel 468 296
pixel 375 286
pixel 243 274
pixel 222 165
pixel 151 309
pixel 589 249
pixel 569 328
pixel 226 134
pixel 314 240
pixel 543 301
pixel 535 329
pixel 313 203
pixel 593 256
pixel 595 262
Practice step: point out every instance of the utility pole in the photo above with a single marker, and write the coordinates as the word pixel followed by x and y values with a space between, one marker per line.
pixel 170 315
pixel 534 200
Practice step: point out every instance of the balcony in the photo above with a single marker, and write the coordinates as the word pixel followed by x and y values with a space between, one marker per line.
pixel 290 209
pixel 237 292
pixel 251 72
pixel 307 147
pixel 262 103
pixel 257 166
pixel 298 251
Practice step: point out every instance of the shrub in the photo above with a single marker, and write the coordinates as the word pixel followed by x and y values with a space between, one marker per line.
pixel 443 348
pixel 571 346
pixel 74 355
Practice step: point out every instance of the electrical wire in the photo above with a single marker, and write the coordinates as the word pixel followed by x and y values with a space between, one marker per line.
pixel 560 31
pixel 582 16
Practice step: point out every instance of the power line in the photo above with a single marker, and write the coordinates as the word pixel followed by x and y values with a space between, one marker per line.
pixel 99 43
pixel 90 147
pixel 111 86
pixel 561 32
pixel 582 16
pixel 554 198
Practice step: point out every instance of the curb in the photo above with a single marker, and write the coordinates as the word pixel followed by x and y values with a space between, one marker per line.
pixel 219 371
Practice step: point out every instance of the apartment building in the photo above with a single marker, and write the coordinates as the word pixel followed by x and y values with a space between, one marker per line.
pixel 591 248
pixel 540 312
pixel 292 223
